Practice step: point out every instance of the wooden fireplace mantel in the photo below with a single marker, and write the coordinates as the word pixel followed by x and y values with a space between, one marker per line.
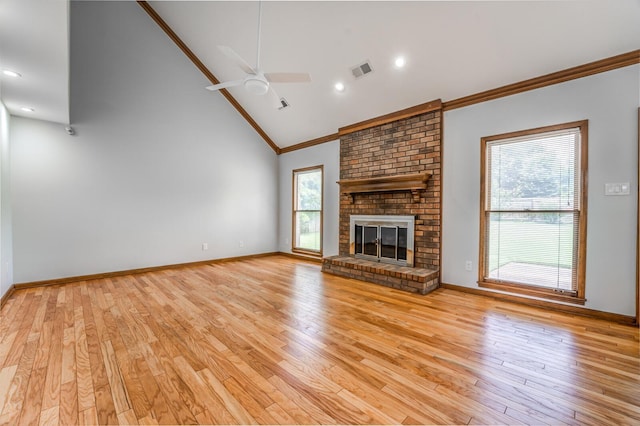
pixel 414 183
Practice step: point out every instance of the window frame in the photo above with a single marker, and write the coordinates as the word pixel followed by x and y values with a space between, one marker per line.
pixel 294 193
pixel 532 290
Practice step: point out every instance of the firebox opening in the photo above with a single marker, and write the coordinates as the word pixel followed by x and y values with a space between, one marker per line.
pixel 387 239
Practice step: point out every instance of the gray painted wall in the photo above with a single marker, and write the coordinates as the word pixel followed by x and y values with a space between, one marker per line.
pixel 328 155
pixel 609 101
pixel 158 165
pixel 6 246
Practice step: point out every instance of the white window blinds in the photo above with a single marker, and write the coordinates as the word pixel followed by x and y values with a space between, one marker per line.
pixel 532 210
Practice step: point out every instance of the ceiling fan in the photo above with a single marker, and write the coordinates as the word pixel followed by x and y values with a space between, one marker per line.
pixel 257 81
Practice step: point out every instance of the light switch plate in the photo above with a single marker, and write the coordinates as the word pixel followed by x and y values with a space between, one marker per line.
pixel 616 188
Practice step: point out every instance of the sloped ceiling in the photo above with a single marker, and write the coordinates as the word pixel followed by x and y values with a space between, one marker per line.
pixel 34 41
pixel 452 49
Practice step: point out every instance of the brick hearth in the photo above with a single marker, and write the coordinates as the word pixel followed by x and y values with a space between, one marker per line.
pixel 407 146
pixel 415 280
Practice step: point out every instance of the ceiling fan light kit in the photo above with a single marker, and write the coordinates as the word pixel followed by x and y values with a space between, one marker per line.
pixel 256 85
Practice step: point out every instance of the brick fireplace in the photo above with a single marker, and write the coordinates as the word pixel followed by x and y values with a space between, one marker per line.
pixel 390 168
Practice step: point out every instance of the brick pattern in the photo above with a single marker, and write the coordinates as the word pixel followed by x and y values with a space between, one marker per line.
pixel 405 146
pixel 415 280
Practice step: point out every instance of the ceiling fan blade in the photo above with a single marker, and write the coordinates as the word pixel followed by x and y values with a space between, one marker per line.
pixel 231 54
pixel 287 77
pixel 224 85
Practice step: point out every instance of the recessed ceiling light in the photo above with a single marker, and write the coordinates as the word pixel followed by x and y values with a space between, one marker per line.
pixel 11 73
pixel 339 87
pixel 27 109
pixel 400 62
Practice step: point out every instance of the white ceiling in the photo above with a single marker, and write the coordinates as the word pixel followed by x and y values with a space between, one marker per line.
pixel 452 48
pixel 34 41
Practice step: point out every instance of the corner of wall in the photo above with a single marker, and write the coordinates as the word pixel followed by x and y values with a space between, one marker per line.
pixel 6 251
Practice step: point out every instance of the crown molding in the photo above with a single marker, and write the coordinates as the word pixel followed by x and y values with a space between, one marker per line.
pixel 373 122
pixel 309 143
pixel 603 65
pixel 204 70
pixel 394 116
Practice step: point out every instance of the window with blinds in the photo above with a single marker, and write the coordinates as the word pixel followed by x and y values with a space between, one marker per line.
pixel 307 210
pixel 533 218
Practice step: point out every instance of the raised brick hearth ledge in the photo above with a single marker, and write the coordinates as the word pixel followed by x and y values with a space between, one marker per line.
pixel 415 280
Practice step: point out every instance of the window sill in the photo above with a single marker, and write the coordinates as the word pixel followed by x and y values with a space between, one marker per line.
pixel 307 252
pixel 526 290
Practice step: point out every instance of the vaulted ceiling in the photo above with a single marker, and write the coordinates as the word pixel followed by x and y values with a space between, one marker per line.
pixel 452 49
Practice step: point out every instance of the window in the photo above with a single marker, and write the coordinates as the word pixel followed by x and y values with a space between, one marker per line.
pixel 307 210
pixel 533 219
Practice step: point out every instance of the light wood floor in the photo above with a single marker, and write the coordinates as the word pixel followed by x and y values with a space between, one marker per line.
pixel 273 340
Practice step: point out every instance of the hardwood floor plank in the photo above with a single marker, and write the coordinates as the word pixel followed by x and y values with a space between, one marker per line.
pixel 50 417
pixel 235 407
pixel 280 415
pixel 159 407
pixel 45 345
pixel 175 401
pixel 86 396
pixel 6 377
pixel 68 368
pixel 40 310
pixel 51 397
pixel 274 341
pixel 255 409
pixel 15 395
pixel 6 344
pixel 127 418
pixel 319 393
pixel 543 405
pixel 89 416
pixel 17 347
pixel 114 376
pixel 30 414
pixel 396 409
pixel 105 408
pixel 96 361
pixel 187 405
pixel 213 406
pixel 375 414
pixel 51 293
pixel 529 417
pixel 318 415
pixel 10 310
pixel 136 396
pixel 69 403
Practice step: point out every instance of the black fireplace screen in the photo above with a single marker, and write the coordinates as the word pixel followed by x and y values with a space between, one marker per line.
pixel 381 242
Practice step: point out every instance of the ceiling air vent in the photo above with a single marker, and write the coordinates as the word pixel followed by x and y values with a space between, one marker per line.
pixel 283 104
pixel 362 69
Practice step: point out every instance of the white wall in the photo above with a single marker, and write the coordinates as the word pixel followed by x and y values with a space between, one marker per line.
pixel 328 155
pixel 158 165
pixel 6 248
pixel 609 101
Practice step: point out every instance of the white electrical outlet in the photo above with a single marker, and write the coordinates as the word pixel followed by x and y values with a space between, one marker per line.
pixel 205 246
pixel 468 265
pixel 241 244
